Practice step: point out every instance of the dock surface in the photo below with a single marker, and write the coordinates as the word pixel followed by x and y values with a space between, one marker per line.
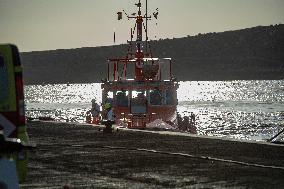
pixel 81 156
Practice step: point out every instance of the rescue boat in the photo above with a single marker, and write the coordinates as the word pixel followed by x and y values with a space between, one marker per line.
pixel 140 87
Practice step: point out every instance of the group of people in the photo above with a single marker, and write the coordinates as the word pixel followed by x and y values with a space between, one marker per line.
pixel 187 123
pixel 98 116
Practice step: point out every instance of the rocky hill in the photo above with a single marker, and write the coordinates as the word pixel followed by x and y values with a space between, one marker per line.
pixel 254 53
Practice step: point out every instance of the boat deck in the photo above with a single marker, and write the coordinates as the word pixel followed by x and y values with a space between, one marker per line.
pixel 81 156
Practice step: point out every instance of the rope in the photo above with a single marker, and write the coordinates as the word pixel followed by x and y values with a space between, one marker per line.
pixel 194 156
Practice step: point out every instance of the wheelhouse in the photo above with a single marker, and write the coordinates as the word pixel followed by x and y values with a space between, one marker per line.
pixel 144 98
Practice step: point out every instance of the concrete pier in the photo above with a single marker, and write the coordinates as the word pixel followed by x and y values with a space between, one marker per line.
pixel 82 156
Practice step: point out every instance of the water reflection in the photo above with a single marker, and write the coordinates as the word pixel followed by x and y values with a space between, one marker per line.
pixel 238 109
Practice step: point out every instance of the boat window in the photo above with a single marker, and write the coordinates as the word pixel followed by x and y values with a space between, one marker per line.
pixel 4 88
pixel 170 97
pixel 122 98
pixel 156 97
pixel 138 102
pixel 138 94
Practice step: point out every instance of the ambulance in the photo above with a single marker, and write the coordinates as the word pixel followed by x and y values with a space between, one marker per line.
pixel 12 109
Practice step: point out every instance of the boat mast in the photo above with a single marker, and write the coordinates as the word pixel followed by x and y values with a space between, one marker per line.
pixel 139 54
pixel 146 26
pixel 142 50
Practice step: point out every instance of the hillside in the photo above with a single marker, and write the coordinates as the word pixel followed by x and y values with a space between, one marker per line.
pixel 254 53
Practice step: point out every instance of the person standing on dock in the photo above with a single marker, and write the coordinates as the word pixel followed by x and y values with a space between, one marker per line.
pixel 192 119
pixel 109 116
pixel 192 128
pixel 95 112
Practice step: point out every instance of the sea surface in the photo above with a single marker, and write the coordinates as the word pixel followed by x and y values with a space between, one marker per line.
pixel 250 110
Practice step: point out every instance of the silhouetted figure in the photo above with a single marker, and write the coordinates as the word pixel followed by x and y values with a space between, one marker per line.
pixel 185 123
pixel 179 119
pixel 192 128
pixel 192 118
pixel 109 118
pixel 95 111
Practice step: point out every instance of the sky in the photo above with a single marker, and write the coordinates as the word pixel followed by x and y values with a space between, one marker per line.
pixel 36 25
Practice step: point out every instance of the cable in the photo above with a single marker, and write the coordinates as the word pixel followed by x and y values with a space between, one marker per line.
pixel 193 156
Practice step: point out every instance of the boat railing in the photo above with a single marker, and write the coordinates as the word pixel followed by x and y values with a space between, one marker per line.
pixel 151 69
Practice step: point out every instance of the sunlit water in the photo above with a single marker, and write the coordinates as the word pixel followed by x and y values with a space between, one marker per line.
pixel 251 110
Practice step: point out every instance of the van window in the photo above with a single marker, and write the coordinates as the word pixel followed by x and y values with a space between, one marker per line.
pixel 4 88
